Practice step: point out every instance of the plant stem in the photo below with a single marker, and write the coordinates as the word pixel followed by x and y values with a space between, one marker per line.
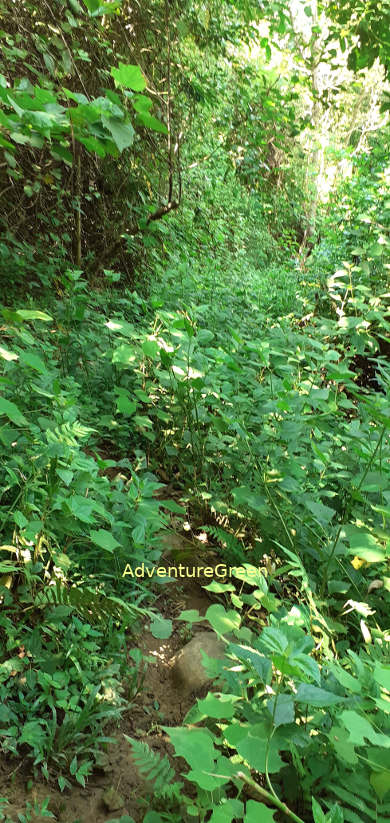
pixel 273 800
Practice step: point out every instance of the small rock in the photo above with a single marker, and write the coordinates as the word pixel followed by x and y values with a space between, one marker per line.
pixel 187 666
pixel 112 800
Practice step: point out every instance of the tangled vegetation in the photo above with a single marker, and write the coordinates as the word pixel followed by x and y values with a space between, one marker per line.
pixel 194 221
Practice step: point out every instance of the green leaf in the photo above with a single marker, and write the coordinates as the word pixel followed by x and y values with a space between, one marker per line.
pixel 380 782
pixel 8 355
pixel 122 132
pixel 258 813
pixel 34 361
pixel 12 412
pixel 365 546
pixel 32 314
pixel 161 627
pixel 360 730
pixel 32 733
pixel 230 808
pixel 281 709
pixel 261 664
pixel 172 506
pixel 195 745
pixel 318 815
pixel 314 696
pixel 222 621
pixel 150 348
pixel 129 77
pixel 141 103
pixel 93 5
pixel 190 616
pixel 251 743
pixel 382 675
pixel 81 507
pixel 66 475
pixel 104 539
pixel 220 707
pixel 150 122
pixel 125 354
pixel 323 514
pixel 124 405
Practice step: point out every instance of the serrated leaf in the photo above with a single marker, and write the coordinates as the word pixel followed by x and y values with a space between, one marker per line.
pixel 314 696
pixel 104 539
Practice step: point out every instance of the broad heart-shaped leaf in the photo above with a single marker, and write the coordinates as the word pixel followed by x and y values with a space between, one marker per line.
pixel 12 412
pixel 230 808
pixel 129 77
pixel 222 621
pixel 195 745
pixel 258 813
pixel 314 696
pixel 104 539
pixel 221 707
pixel 190 616
pixel 122 132
pixel 161 627
pixel 251 743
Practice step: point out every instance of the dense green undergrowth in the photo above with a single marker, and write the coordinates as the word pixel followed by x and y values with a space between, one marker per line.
pixel 272 411
pixel 233 342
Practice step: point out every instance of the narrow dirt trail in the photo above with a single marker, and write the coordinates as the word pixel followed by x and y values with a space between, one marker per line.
pixel 115 789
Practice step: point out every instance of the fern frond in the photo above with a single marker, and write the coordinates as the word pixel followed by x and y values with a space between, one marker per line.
pixel 155 769
pixel 232 547
pixel 91 605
